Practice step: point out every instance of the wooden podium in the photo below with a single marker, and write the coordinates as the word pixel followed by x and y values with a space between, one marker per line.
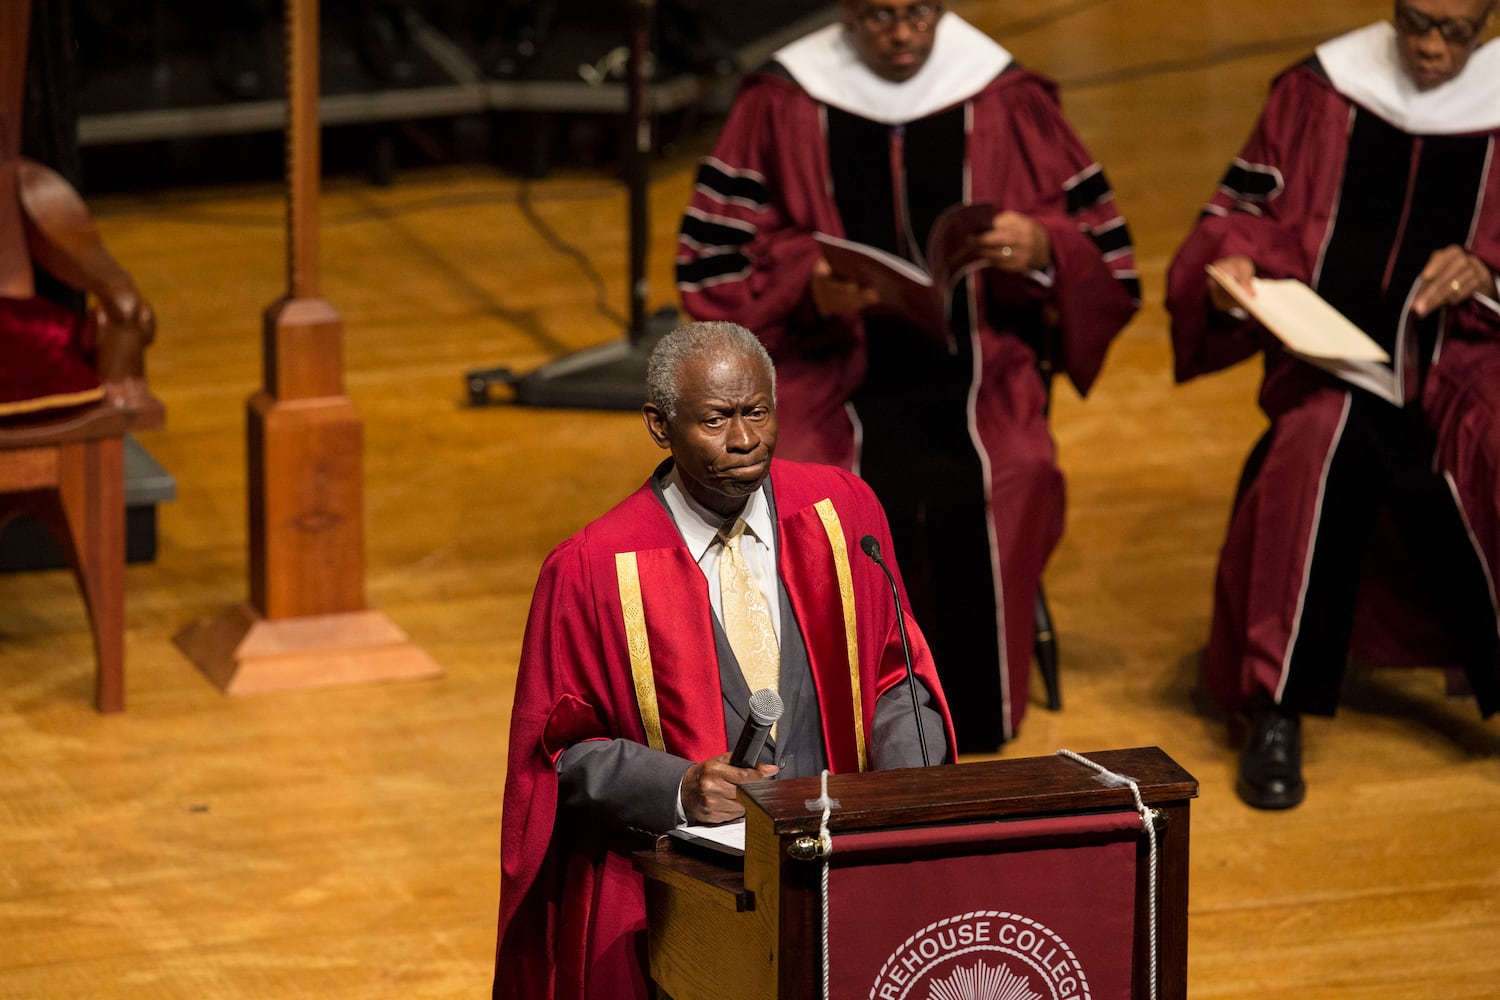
pixel 717 931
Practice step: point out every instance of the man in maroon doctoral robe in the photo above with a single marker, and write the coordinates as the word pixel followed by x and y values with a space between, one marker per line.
pixel 1372 176
pixel 868 130
pixel 630 687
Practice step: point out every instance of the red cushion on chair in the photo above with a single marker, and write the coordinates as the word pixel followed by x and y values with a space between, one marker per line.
pixel 42 365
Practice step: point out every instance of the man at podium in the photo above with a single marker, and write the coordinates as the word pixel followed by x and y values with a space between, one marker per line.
pixel 725 574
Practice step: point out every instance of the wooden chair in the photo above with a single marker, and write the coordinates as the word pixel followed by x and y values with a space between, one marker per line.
pixel 69 473
pixel 62 454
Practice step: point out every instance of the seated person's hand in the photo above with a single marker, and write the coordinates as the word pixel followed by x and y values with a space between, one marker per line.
pixel 1452 275
pixel 1241 269
pixel 833 296
pixel 1016 243
pixel 708 789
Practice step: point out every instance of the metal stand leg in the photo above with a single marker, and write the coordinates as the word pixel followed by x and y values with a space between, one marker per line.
pixel 1046 651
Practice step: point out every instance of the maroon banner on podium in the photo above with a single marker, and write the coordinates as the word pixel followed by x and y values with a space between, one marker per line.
pixel 1017 910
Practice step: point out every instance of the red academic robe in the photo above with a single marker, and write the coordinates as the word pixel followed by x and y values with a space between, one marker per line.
pixel 572 918
pixel 1281 204
pixel 746 254
pixel 1302 136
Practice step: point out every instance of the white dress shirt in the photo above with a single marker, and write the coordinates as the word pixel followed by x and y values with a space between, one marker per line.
pixel 700 530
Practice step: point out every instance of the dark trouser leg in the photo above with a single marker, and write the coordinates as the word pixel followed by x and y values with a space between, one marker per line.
pixel 931 486
pixel 1289 571
pixel 1375 440
pixel 958 609
pixel 1453 585
pixel 1463 404
pixel 1296 549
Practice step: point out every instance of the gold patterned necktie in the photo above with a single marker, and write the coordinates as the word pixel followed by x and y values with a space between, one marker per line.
pixel 747 619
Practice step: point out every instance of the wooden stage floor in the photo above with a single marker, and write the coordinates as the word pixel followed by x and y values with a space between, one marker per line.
pixel 345 842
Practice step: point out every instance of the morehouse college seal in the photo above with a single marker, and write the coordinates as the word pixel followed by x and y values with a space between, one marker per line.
pixel 982 955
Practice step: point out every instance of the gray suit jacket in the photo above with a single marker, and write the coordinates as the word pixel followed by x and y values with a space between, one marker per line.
pixel 629 784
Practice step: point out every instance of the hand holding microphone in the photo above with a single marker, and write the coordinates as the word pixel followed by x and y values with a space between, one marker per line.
pixel 765 709
pixel 708 791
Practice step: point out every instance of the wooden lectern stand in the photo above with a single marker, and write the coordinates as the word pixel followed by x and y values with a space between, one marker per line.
pixel 306 624
pixel 717 931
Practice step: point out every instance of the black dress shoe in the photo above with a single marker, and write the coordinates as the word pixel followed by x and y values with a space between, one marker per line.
pixel 1271 764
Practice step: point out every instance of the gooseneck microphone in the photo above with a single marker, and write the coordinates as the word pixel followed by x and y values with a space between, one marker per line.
pixel 765 709
pixel 872 549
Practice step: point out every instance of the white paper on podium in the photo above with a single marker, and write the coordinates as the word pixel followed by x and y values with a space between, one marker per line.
pixel 726 837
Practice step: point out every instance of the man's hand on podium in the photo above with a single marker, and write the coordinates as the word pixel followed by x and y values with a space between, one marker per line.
pixel 708 789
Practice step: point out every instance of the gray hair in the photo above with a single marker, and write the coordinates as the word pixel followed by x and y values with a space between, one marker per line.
pixel 698 340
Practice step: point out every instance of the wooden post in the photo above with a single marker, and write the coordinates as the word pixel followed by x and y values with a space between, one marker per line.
pixel 306 624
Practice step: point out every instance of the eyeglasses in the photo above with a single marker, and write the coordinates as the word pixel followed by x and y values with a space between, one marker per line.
pixel 1459 31
pixel 918 17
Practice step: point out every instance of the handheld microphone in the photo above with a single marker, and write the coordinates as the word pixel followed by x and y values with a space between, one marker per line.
pixel 765 709
pixel 871 548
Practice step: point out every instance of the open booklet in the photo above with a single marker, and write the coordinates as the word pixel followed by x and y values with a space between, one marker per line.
pixel 1315 331
pixel 920 297
pixel 724 840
